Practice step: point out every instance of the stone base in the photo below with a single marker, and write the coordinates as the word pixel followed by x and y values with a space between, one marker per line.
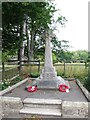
pixel 45 84
pixel 48 73
pixel 49 79
pixel 50 84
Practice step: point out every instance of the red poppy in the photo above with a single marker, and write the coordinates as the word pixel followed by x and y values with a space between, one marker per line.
pixel 32 88
pixel 63 88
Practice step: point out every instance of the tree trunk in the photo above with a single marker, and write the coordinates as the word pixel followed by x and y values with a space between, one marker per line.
pixel 32 45
pixel 20 51
pixel 33 35
pixel 28 42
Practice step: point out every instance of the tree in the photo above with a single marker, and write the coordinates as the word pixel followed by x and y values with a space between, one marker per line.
pixel 39 20
pixel 37 17
pixel 83 54
pixel 12 17
pixel 80 55
pixel 60 49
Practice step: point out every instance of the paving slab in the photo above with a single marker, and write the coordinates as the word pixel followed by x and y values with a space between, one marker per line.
pixel 75 93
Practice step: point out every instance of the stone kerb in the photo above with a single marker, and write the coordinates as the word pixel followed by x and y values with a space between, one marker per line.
pixel 69 109
pixel 84 90
pixel 13 87
pixel 1 111
pixel 11 105
pixel 74 109
pixel 89 110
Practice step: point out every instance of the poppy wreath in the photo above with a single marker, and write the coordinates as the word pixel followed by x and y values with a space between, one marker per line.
pixel 32 88
pixel 63 88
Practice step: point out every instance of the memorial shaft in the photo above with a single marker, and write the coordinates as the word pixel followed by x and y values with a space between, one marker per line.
pixel 48 53
pixel 48 78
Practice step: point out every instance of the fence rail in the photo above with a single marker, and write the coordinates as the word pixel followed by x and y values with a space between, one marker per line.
pixel 11 73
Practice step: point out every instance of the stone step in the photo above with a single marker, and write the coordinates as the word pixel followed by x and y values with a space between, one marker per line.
pixel 41 111
pixel 42 101
pixel 42 106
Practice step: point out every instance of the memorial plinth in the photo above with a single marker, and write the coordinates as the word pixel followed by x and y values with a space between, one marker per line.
pixel 48 78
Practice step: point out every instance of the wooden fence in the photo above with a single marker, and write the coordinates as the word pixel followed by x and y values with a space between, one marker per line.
pixel 7 75
pixel 12 73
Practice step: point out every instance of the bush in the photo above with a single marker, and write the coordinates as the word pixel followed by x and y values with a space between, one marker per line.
pixel 87 83
pixel 3 86
pixel 0 86
pixel 34 75
pixel 16 80
pixel 60 74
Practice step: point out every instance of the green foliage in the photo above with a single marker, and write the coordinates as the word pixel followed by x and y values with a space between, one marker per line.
pixel 0 86
pixel 12 17
pixel 34 75
pixel 80 55
pixel 0 56
pixel 86 83
pixel 18 78
pixel 6 55
pixel 7 83
pixel 62 20
pixel 88 59
pixel 65 56
pixel 38 16
pixel 60 74
pixel 3 86
pixel 60 49
pixel 72 56
pixel 54 58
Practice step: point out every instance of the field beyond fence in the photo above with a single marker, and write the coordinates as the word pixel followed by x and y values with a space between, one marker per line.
pixel 78 70
pixel 66 70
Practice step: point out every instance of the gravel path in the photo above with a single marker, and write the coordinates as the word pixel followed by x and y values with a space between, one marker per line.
pixel 75 93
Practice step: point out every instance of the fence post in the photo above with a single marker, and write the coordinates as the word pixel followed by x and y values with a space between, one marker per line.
pixel 3 72
pixel 85 65
pixel 19 67
pixel 64 67
pixel 39 66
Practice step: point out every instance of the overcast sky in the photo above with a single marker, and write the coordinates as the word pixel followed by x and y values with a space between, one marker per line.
pixel 76 29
